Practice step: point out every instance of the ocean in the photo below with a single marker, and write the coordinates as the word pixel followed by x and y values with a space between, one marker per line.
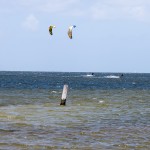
pixel 103 111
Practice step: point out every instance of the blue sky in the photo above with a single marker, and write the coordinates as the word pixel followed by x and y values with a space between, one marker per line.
pixel 111 35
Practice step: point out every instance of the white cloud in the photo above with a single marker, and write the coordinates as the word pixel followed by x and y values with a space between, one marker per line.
pixel 31 23
pixel 58 5
pixel 120 9
pixel 137 12
pixel 45 5
pixel 97 9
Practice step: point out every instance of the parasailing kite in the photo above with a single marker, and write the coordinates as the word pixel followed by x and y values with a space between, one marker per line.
pixel 51 29
pixel 70 31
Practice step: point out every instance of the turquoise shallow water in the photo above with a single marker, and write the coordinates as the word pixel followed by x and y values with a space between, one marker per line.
pixel 101 112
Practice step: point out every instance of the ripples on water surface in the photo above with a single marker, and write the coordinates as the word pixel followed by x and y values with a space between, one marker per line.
pixel 101 113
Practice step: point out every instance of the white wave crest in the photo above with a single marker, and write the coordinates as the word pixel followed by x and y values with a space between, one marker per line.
pixel 112 76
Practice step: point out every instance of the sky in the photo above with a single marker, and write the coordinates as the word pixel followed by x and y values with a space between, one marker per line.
pixel 110 35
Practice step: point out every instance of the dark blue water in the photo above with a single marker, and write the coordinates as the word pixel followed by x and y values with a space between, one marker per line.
pixel 103 111
pixel 55 80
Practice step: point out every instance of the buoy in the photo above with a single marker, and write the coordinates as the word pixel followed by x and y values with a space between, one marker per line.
pixel 64 95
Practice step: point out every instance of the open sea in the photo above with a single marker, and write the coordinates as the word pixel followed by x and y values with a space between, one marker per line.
pixel 103 111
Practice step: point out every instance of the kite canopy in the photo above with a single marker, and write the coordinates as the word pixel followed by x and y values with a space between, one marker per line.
pixel 51 28
pixel 70 31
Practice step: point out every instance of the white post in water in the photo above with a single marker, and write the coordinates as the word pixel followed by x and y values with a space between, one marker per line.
pixel 64 95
